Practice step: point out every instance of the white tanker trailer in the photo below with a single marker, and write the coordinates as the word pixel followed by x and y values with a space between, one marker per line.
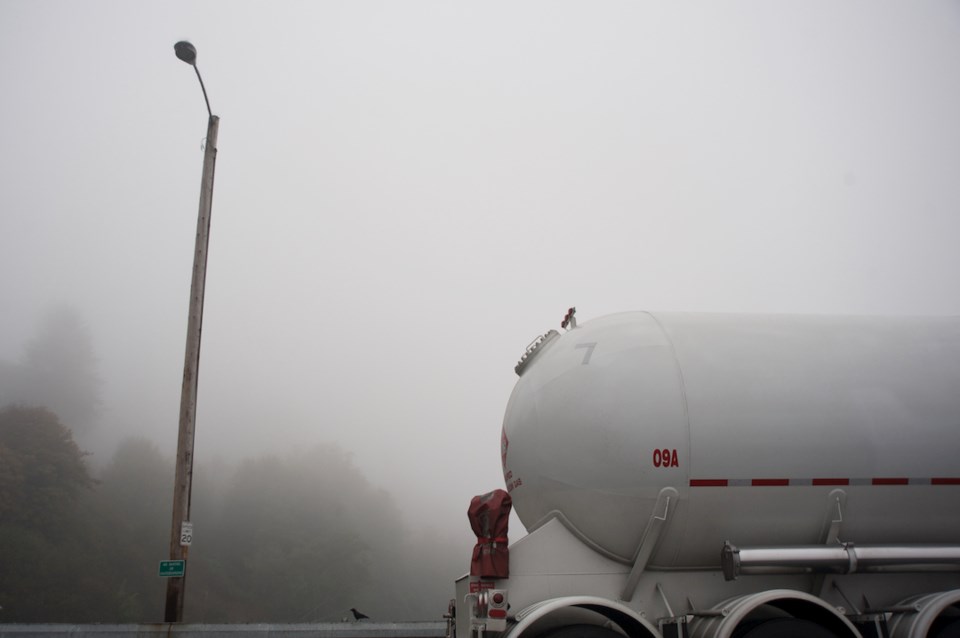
pixel 730 476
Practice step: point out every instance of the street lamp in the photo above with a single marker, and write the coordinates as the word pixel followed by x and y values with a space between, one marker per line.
pixel 179 542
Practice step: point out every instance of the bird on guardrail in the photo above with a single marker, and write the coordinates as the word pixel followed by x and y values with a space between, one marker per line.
pixel 359 616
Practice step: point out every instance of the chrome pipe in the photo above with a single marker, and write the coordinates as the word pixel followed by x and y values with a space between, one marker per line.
pixel 844 559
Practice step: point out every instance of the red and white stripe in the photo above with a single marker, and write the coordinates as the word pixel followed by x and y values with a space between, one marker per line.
pixel 787 482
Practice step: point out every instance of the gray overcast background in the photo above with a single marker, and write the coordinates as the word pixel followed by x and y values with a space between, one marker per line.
pixel 407 193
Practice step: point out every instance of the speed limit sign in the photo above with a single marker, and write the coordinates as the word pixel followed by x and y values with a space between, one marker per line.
pixel 186 533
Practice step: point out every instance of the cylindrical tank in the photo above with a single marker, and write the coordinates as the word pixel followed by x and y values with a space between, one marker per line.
pixel 758 422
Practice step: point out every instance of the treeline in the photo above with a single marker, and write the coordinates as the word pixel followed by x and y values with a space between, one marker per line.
pixel 276 539
pixel 300 538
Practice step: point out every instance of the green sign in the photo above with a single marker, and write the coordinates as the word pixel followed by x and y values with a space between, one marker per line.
pixel 172 568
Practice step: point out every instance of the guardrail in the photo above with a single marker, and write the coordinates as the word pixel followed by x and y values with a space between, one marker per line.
pixel 260 630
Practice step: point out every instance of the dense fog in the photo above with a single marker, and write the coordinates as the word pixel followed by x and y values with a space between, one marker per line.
pixel 406 195
pixel 294 537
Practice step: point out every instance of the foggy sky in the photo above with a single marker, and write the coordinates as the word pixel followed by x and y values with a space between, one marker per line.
pixel 408 193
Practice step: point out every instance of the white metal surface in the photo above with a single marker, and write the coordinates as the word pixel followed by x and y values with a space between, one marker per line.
pixel 754 420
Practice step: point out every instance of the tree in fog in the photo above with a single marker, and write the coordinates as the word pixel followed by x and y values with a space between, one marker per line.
pixel 42 472
pixel 134 497
pixel 45 567
pixel 294 537
pixel 58 372
pixel 137 484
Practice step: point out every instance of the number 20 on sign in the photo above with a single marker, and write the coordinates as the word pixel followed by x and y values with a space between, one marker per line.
pixel 186 533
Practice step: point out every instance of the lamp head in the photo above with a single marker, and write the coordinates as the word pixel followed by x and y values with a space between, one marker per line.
pixel 186 52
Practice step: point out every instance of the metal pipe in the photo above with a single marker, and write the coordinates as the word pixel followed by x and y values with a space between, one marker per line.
pixel 204 89
pixel 845 559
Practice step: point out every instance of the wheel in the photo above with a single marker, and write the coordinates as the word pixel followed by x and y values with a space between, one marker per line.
pixel 782 628
pixel 583 631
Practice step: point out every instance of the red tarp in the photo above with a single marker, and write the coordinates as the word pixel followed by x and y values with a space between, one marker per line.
pixel 489 516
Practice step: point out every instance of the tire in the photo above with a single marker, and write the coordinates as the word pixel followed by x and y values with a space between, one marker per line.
pixel 783 628
pixel 948 629
pixel 583 631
